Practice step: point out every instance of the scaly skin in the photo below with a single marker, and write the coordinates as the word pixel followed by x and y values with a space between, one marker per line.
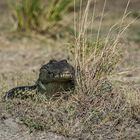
pixel 55 76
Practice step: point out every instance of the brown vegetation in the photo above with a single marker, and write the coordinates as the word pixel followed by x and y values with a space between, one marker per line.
pixel 105 104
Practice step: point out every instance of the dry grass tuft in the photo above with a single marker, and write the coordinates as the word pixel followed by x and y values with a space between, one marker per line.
pixel 95 110
pixel 132 99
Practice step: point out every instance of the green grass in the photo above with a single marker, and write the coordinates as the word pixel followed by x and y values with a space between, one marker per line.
pixel 36 14
pixel 27 13
pixel 56 8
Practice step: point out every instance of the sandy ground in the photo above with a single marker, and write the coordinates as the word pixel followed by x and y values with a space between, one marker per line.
pixel 22 57
pixel 11 130
pixel 20 60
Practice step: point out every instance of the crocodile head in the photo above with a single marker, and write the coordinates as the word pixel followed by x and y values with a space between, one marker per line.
pixel 54 76
pixel 56 71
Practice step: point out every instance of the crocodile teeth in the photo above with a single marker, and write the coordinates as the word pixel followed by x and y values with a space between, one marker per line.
pixel 57 76
pixel 64 75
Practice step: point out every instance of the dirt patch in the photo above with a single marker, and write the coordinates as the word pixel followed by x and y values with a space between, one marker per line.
pixel 12 130
pixel 21 56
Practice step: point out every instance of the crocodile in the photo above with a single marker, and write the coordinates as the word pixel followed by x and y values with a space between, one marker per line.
pixel 55 76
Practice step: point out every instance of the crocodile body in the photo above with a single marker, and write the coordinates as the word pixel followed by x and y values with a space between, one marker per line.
pixel 55 76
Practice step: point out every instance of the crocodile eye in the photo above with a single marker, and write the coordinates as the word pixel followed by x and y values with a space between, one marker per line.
pixel 49 72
